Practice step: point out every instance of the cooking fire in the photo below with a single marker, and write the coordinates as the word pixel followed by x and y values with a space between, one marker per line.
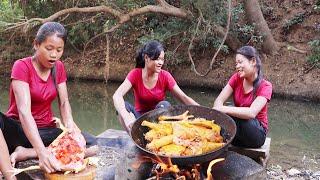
pixel 166 170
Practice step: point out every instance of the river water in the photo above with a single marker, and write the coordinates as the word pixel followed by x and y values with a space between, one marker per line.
pixel 294 125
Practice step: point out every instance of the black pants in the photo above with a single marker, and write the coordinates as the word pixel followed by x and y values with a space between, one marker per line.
pixel 250 133
pixel 15 136
pixel 130 107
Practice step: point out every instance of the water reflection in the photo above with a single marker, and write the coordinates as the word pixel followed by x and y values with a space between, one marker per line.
pixel 294 126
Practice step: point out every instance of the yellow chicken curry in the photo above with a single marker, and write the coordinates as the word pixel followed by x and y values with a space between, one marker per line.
pixel 182 136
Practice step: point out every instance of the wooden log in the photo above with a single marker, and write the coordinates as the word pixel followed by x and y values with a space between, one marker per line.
pixel 260 155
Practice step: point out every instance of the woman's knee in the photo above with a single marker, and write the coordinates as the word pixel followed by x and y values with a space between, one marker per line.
pixel 249 134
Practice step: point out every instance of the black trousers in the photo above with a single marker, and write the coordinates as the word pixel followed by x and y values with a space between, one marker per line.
pixel 15 136
pixel 250 133
pixel 130 107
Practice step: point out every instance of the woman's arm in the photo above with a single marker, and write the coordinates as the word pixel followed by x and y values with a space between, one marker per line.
pixel 119 103
pixel 22 96
pixel 5 164
pixel 65 108
pixel 223 96
pixel 246 112
pixel 181 96
pixel 239 112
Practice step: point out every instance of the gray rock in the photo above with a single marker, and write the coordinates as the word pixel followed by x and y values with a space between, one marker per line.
pixel 293 172
pixel 237 166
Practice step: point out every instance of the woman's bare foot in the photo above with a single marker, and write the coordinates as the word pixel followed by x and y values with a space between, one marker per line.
pixel 19 154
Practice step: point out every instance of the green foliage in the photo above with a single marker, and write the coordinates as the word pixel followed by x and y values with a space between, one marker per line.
pixel 162 30
pixel 237 11
pixel 127 4
pixel 245 32
pixel 317 6
pixel 9 13
pixel 172 32
pixel 165 29
pixel 314 58
pixel 169 29
pixel 213 11
pixel 297 19
pixel 82 32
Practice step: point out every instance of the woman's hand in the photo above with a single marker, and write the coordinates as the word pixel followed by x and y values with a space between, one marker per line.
pixel 129 120
pixel 72 127
pixel 220 108
pixel 125 118
pixel 47 161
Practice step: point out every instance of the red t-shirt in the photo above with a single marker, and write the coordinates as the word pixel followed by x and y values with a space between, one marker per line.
pixel 146 99
pixel 42 93
pixel 245 100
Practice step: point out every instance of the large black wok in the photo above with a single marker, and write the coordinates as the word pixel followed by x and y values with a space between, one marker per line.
pixel 227 125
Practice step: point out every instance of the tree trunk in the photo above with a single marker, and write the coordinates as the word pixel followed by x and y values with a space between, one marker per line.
pixel 107 60
pixel 255 16
pixel 232 41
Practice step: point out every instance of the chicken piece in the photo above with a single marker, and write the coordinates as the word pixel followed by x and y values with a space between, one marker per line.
pixel 206 123
pixel 210 146
pixel 164 129
pixel 183 134
pixel 194 149
pixel 218 138
pixel 172 150
pixel 157 130
pixel 152 134
pixel 205 133
pixel 183 116
pixel 156 144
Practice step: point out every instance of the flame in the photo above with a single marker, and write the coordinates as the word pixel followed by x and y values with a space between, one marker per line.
pixel 209 175
pixel 165 166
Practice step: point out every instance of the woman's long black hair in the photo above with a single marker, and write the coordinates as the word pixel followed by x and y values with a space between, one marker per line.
pixel 251 53
pixel 152 49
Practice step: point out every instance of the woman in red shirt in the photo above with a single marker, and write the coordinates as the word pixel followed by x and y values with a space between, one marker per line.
pixel 251 94
pixel 35 82
pixel 149 83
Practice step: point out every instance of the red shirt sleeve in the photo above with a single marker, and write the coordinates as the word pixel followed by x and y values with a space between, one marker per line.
pixel 133 75
pixel 265 90
pixel 61 74
pixel 233 81
pixel 171 82
pixel 20 71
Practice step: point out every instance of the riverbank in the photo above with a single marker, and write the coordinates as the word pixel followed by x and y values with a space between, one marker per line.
pixel 286 84
pixel 277 172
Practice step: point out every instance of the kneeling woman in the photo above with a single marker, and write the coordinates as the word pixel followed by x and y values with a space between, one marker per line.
pixel 28 126
pixel 149 83
pixel 251 93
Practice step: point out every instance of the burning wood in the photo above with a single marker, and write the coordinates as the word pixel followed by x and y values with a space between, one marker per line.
pixel 164 169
